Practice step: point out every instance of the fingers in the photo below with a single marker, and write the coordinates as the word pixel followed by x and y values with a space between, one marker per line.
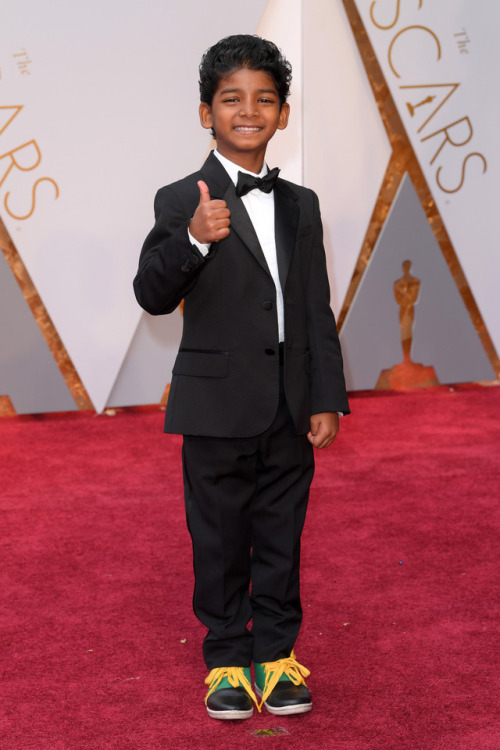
pixel 219 232
pixel 320 440
pixel 214 218
pixel 324 428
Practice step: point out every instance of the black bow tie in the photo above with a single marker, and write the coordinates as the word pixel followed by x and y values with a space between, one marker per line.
pixel 247 182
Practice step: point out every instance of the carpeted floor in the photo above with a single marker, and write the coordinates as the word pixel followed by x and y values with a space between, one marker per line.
pixel 99 648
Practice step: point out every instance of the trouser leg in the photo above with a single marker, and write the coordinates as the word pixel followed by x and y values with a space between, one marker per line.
pixel 285 470
pixel 219 484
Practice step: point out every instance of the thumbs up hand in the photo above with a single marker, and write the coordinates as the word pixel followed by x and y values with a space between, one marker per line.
pixel 211 220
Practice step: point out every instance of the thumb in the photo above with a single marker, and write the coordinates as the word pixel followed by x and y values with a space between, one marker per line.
pixel 204 192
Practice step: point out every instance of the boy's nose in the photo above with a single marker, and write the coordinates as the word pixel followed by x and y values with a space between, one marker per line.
pixel 248 109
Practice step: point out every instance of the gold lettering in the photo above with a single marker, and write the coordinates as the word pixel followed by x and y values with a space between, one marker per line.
pixel 15 163
pixel 448 138
pixel 455 190
pixel 452 86
pixel 7 123
pixel 391 25
pixel 403 31
pixel 30 213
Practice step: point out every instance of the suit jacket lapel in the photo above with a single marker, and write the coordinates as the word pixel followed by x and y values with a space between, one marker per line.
pixel 286 213
pixel 241 224
pixel 215 176
pixel 285 210
pixel 221 186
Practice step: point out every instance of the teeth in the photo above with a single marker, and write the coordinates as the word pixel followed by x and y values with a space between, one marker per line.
pixel 247 130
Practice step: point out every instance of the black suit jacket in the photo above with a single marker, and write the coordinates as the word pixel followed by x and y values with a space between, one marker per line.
pixel 225 380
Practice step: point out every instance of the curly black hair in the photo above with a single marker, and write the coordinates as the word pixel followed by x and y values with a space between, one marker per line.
pixel 243 51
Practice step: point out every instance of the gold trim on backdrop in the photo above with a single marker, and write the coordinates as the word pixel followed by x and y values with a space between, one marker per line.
pixel 403 160
pixel 164 398
pixel 390 184
pixel 6 407
pixel 44 321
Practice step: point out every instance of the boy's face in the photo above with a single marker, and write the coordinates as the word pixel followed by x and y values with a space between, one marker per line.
pixel 245 114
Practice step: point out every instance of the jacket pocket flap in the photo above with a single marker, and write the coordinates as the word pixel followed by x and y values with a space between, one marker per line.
pixel 209 364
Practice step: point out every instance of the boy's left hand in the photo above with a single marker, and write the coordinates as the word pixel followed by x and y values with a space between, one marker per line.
pixel 324 428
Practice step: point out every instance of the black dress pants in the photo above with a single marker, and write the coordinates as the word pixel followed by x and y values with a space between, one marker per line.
pixel 246 503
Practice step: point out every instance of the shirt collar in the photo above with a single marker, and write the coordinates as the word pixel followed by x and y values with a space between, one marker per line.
pixel 232 169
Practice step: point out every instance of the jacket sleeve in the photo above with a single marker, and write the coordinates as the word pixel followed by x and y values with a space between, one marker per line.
pixel 169 264
pixel 328 389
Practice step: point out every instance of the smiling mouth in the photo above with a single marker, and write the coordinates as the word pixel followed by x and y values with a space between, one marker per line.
pixel 247 129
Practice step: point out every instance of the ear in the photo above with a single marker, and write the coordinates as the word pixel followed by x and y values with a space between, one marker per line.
pixel 284 115
pixel 205 111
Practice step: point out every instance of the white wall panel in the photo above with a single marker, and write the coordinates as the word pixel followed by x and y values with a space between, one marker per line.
pixel 282 22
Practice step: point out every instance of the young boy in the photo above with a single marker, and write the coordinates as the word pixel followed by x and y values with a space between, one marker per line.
pixel 258 380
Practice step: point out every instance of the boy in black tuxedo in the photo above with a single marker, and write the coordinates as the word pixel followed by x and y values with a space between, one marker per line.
pixel 258 380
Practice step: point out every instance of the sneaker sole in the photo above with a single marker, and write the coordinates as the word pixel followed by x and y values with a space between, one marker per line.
pixel 230 715
pixel 298 708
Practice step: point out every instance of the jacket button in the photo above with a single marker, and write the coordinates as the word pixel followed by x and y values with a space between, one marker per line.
pixel 270 351
pixel 267 304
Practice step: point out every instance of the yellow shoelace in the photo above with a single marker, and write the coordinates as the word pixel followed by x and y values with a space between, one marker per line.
pixel 273 670
pixel 235 676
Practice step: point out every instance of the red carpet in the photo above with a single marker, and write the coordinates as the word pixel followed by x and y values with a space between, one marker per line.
pixel 99 648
